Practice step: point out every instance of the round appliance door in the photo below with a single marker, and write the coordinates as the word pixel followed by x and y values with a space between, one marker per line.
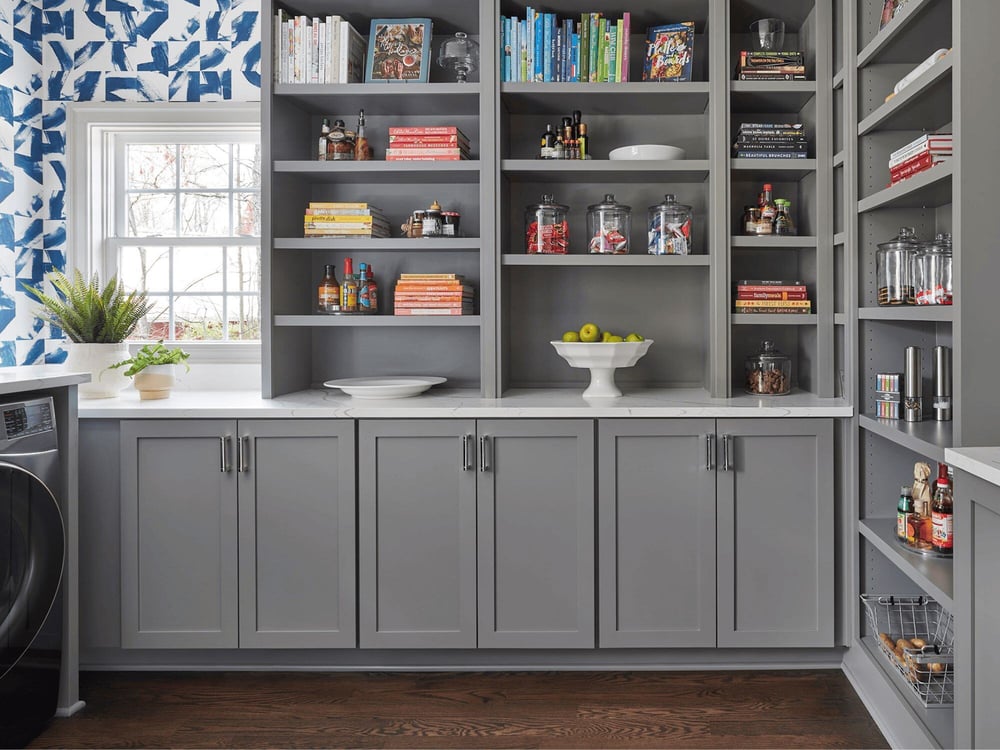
pixel 32 548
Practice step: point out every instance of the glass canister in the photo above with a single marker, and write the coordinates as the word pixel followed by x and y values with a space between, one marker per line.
pixel 341 143
pixel 932 272
pixel 546 229
pixel 609 224
pixel 894 268
pixel 769 372
pixel 669 228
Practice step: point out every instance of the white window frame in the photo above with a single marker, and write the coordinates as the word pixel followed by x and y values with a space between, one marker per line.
pixel 94 171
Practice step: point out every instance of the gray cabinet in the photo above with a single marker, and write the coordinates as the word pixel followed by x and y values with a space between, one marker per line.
pixel 237 534
pixel 536 533
pixel 656 512
pixel 775 532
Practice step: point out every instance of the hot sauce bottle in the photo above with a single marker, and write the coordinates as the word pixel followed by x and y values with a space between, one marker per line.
pixel 349 289
pixel 943 539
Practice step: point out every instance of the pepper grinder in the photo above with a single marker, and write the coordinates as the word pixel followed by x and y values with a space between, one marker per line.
pixel 942 383
pixel 913 400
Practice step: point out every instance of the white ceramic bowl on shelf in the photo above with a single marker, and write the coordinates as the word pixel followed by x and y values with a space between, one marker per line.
pixel 646 151
pixel 602 359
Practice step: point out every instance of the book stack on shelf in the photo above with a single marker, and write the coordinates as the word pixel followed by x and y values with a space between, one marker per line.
pixel 317 50
pixel 434 143
pixel 771 140
pixel 772 296
pixel 355 220
pixel 920 155
pixel 432 294
pixel 771 66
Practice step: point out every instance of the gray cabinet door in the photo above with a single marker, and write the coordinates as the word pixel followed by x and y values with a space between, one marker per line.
pixel 416 534
pixel 178 532
pixel 296 497
pixel 536 533
pixel 775 532
pixel 656 521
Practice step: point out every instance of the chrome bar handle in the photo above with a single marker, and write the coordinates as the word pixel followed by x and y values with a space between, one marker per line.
pixel 224 454
pixel 726 465
pixel 710 452
pixel 484 444
pixel 243 455
pixel 466 464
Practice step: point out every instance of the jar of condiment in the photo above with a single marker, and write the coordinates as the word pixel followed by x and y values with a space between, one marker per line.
pixel 341 142
pixel 669 228
pixel 449 223
pixel 932 283
pixel 432 226
pixel 751 220
pixel 414 226
pixel 608 225
pixel 894 268
pixel 768 372
pixel 546 229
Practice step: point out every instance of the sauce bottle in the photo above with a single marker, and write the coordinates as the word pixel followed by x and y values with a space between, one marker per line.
pixel 904 512
pixel 943 539
pixel 372 290
pixel 364 290
pixel 548 148
pixel 349 289
pixel 328 292
pixel 361 150
pixel 768 210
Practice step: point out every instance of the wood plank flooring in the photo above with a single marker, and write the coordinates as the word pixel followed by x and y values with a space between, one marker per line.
pixel 800 709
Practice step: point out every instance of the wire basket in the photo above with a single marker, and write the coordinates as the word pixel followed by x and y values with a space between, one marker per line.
pixel 929 668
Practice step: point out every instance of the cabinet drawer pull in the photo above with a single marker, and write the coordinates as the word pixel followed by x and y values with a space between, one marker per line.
pixel 466 462
pixel 484 444
pixel 243 456
pixel 224 454
pixel 710 452
pixel 727 453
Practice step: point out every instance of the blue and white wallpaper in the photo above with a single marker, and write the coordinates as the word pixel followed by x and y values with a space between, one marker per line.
pixel 58 51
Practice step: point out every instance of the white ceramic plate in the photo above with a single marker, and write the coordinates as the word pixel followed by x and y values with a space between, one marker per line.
pixel 399 387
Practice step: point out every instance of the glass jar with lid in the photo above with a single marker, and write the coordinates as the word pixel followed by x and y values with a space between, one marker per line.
pixel 932 272
pixel 768 372
pixel 894 262
pixel 546 230
pixel 669 228
pixel 341 143
pixel 608 225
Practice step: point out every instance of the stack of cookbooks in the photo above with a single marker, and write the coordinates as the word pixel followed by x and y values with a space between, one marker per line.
pixel 772 296
pixel 432 294
pixel 920 155
pixel 427 143
pixel 771 66
pixel 771 140
pixel 345 220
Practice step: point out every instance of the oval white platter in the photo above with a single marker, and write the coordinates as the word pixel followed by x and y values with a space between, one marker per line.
pixel 389 387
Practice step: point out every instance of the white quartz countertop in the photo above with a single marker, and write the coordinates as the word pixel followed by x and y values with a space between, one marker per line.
pixel 981 462
pixel 541 403
pixel 20 379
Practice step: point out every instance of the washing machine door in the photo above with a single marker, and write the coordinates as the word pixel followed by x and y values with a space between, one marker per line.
pixel 32 548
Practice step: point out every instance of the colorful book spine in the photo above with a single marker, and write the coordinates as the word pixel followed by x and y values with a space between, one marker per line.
pixel 546 45
pixel 612 52
pixel 584 52
pixel 574 63
pixel 626 46
pixel 427 130
pixel 595 32
pixel 741 295
pixel 539 68
pixel 772 154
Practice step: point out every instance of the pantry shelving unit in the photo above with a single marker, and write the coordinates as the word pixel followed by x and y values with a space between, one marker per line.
pixel 953 197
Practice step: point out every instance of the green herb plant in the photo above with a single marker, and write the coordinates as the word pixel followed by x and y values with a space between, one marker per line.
pixel 89 313
pixel 154 354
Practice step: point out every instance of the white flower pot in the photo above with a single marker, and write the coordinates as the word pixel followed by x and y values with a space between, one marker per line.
pixel 97 360
pixel 155 381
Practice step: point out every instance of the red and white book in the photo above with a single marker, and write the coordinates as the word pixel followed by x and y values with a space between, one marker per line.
pixel 918 163
pixel 428 140
pixel 397 157
pixel 422 151
pixel 790 288
pixel 935 143
pixel 427 130
pixel 433 311
pixel 751 303
pixel 430 304
pixel 771 295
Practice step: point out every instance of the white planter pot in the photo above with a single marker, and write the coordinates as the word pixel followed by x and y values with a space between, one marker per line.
pixel 155 381
pixel 97 360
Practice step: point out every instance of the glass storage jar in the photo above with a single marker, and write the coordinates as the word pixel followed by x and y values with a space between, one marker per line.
pixel 669 228
pixel 341 143
pixel 932 272
pixel 768 372
pixel 894 268
pixel 608 226
pixel 546 230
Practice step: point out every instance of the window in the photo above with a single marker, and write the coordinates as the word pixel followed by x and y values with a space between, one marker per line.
pixel 172 200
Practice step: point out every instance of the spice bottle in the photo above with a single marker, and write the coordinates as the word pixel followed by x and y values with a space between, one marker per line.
pixel 324 139
pixel 349 289
pixel 904 512
pixel 328 292
pixel 943 539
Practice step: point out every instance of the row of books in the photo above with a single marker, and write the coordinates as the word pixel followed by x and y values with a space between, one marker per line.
pixel 317 50
pixel 771 66
pixel 427 143
pixel 342 219
pixel 770 140
pixel 772 296
pixel 919 155
pixel 432 294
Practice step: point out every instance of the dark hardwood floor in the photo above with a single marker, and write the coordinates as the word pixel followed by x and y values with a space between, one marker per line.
pixel 469 710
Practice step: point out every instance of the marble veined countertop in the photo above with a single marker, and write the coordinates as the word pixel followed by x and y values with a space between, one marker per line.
pixel 981 462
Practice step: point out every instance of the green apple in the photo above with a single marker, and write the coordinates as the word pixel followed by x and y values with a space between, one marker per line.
pixel 590 333
pixel 606 336
pixel 571 336
pixel 634 337
pixel 615 339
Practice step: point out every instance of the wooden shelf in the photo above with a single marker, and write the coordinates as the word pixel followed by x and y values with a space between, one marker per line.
pixel 376 321
pixel 921 313
pixel 773 319
pixel 771 242
pixel 932 574
pixel 919 28
pixel 928 438
pixel 769 96
pixel 926 101
pixel 633 98
pixel 604 261
pixel 404 99
pixel 381 172
pixel 370 244
pixel 929 189
pixel 570 170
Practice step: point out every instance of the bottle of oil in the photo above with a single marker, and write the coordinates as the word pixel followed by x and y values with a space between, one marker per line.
pixel 361 150
pixel 328 292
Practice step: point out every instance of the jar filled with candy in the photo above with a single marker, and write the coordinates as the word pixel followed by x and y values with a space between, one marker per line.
pixel 546 228
pixel 609 224
pixel 669 228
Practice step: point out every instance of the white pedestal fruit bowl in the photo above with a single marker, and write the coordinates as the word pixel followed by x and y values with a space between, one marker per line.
pixel 602 359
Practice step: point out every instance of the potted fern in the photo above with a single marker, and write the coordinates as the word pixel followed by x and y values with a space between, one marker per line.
pixel 97 319
pixel 153 369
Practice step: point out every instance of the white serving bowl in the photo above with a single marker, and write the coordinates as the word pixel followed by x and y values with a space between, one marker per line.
pixel 646 151
pixel 602 359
